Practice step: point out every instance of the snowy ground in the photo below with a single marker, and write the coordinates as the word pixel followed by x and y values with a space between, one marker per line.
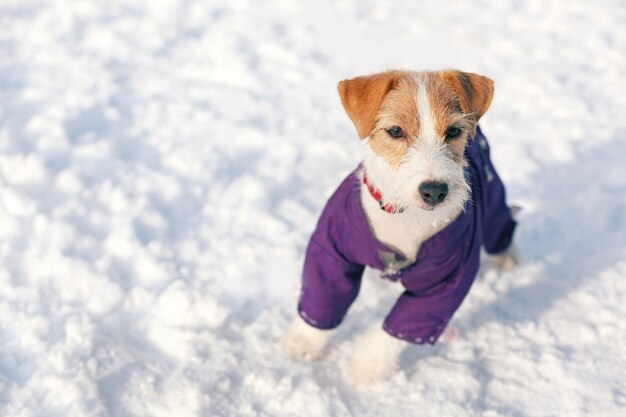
pixel 162 164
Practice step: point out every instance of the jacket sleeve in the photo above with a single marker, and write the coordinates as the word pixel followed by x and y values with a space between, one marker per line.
pixel 330 284
pixel 498 224
pixel 419 318
pixel 423 311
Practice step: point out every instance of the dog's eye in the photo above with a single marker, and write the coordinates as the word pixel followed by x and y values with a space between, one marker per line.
pixel 395 132
pixel 452 132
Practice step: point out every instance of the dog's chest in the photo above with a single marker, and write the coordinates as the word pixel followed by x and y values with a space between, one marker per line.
pixel 398 231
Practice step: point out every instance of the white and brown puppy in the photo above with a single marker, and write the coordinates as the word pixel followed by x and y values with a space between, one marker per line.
pixel 416 126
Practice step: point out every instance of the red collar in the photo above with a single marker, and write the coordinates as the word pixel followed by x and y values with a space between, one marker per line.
pixel 374 192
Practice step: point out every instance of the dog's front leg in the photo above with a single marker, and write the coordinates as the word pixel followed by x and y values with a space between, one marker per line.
pixel 376 357
pixel 303 341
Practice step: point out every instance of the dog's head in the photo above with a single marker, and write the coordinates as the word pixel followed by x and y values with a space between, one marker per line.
pixel 416 126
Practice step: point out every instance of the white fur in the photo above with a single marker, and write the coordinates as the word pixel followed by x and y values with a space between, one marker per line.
pixel 305 342
pixel 375 357
pixel 427 121
pixel 507 260
pixel 391 229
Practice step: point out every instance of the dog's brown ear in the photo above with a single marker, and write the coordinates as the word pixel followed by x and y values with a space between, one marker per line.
pixel 474 91
pixel 361 98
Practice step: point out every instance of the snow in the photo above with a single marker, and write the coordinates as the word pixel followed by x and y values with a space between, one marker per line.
pixel 162 164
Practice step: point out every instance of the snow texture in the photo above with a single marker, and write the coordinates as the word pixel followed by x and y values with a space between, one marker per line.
pixel 163 163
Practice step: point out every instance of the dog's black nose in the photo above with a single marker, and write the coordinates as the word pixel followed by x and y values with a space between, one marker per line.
pixel 433 192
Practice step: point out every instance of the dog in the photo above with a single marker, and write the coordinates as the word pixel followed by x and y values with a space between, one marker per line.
pixel 419 208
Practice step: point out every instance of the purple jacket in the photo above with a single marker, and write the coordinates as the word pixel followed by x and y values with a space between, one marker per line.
pixel 435 283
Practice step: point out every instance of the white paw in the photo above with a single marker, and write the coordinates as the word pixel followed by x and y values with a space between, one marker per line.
pixel 448 335
pixel 515 211
pixel 507 260
pixel 375 359
pixel 303 341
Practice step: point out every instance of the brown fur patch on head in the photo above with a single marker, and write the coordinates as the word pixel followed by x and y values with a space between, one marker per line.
pixel 399 108
pixel 448 112
pixel 475 91
pixel 361 98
